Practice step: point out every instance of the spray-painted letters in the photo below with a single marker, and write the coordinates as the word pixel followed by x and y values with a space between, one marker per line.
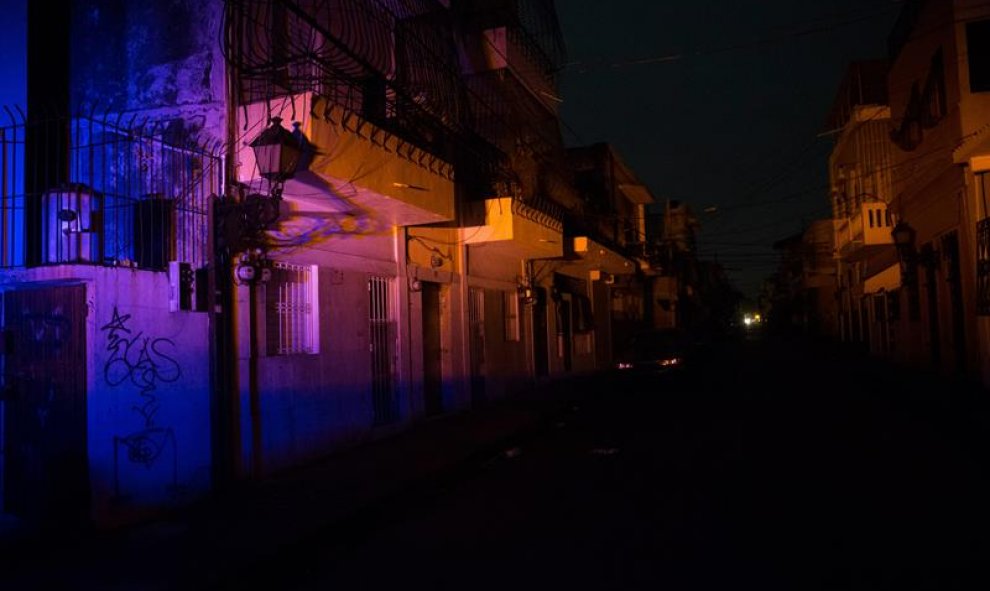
pixel 142 360
pixel 145 363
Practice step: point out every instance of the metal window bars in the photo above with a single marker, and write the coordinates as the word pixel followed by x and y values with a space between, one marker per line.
pixel 382 321
pixel 291 322
pixel 82 191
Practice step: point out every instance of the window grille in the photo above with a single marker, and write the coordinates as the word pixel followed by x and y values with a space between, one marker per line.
pixel 382 322
pixel 983 267
pixel 511 300
pixel 292 315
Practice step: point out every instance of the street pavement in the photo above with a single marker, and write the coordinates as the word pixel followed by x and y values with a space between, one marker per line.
pixel 771 465
pixel 764 464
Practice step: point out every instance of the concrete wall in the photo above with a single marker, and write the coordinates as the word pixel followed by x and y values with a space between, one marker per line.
pixel 313 403
pixel 930 186
pixel 148 398
pixel 162 59
pixel 507 363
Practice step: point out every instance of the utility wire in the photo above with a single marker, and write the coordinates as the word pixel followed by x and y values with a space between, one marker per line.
pixel 803 31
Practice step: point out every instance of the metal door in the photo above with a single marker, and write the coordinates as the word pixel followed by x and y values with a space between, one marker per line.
pixel 950 248
pixel 476 321
pixel 928 255
pixel 564 331
pixel 541 352
pixel 383 334
pixel 45 416
pixel 432 350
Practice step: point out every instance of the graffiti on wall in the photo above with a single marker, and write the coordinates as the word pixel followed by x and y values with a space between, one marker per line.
pixel 145 363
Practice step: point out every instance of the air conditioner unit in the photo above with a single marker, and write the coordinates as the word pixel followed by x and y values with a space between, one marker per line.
pixel 73 225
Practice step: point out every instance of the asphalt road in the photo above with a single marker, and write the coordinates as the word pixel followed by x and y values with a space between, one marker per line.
pixel 769 465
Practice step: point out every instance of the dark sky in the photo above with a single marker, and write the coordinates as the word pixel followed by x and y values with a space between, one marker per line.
pixel 726 108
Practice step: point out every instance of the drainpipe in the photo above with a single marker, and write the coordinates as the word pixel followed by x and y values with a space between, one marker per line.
pixel 253 389
pixel 222 308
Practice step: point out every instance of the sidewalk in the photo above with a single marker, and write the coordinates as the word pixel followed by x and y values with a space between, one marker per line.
pixel 211 543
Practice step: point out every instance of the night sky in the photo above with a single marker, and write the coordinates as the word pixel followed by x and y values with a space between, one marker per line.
pixel 724 109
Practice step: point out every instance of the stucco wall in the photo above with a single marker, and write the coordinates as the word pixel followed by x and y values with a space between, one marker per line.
pixel 148 400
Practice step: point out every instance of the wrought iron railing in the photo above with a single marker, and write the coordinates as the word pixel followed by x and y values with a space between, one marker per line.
pixel 391 61
pixel 544 212
pixel 394 62
pixel 114 193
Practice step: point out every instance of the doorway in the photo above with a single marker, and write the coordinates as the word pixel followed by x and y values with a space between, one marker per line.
pixel 564 331
pixel 432 350
pixel 44 366
pixel 476 322
pixel 928 255
pixel 950 248
pixel 541 353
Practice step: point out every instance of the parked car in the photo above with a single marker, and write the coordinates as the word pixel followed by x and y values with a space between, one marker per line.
pixel 654 351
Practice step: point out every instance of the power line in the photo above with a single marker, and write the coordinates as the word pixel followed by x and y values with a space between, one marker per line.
pixel 802 31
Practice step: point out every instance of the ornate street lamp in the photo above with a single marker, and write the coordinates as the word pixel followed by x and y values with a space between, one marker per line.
pixel 277 153
pixel 904 236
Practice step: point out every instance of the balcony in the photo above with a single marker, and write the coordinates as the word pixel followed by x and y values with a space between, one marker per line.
pixel 355 177
pixel 511 227
pixel 595 260
pixel 866 232
pixel 508 49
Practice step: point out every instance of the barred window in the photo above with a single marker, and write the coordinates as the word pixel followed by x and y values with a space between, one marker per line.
pixel 292 316
pixel 983 267
pixel 511 305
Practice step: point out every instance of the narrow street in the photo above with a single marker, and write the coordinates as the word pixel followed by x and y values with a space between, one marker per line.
pixel 754 469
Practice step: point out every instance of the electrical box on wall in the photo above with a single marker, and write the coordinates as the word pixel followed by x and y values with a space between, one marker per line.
pixel 181 286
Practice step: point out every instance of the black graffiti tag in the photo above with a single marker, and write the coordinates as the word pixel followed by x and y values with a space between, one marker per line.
pixel 141 360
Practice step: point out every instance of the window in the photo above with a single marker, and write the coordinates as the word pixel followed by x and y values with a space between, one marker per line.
pixel 291 311
pixel 978 41
pixel 983 267
pixel 511 305
pixel 934 96
pixel 583 318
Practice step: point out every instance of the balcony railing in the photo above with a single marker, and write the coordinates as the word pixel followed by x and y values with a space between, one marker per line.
pixel 81 191
pixel 511 49
pixel 872 225
pixel 389 61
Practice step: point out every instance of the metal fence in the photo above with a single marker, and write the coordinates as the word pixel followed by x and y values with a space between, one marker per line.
pixel 113 193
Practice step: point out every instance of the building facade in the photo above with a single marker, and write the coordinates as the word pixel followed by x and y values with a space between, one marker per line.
pixel 908 178
pixel 175 317
pixel 942 110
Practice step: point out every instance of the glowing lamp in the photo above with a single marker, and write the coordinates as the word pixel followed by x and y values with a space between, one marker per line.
pixel 276 151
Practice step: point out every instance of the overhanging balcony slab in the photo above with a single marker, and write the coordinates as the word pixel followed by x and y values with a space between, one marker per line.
pixel 353 168
pixel 513 228
pixel 886 279
pixel 636 193
pixel 588 255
